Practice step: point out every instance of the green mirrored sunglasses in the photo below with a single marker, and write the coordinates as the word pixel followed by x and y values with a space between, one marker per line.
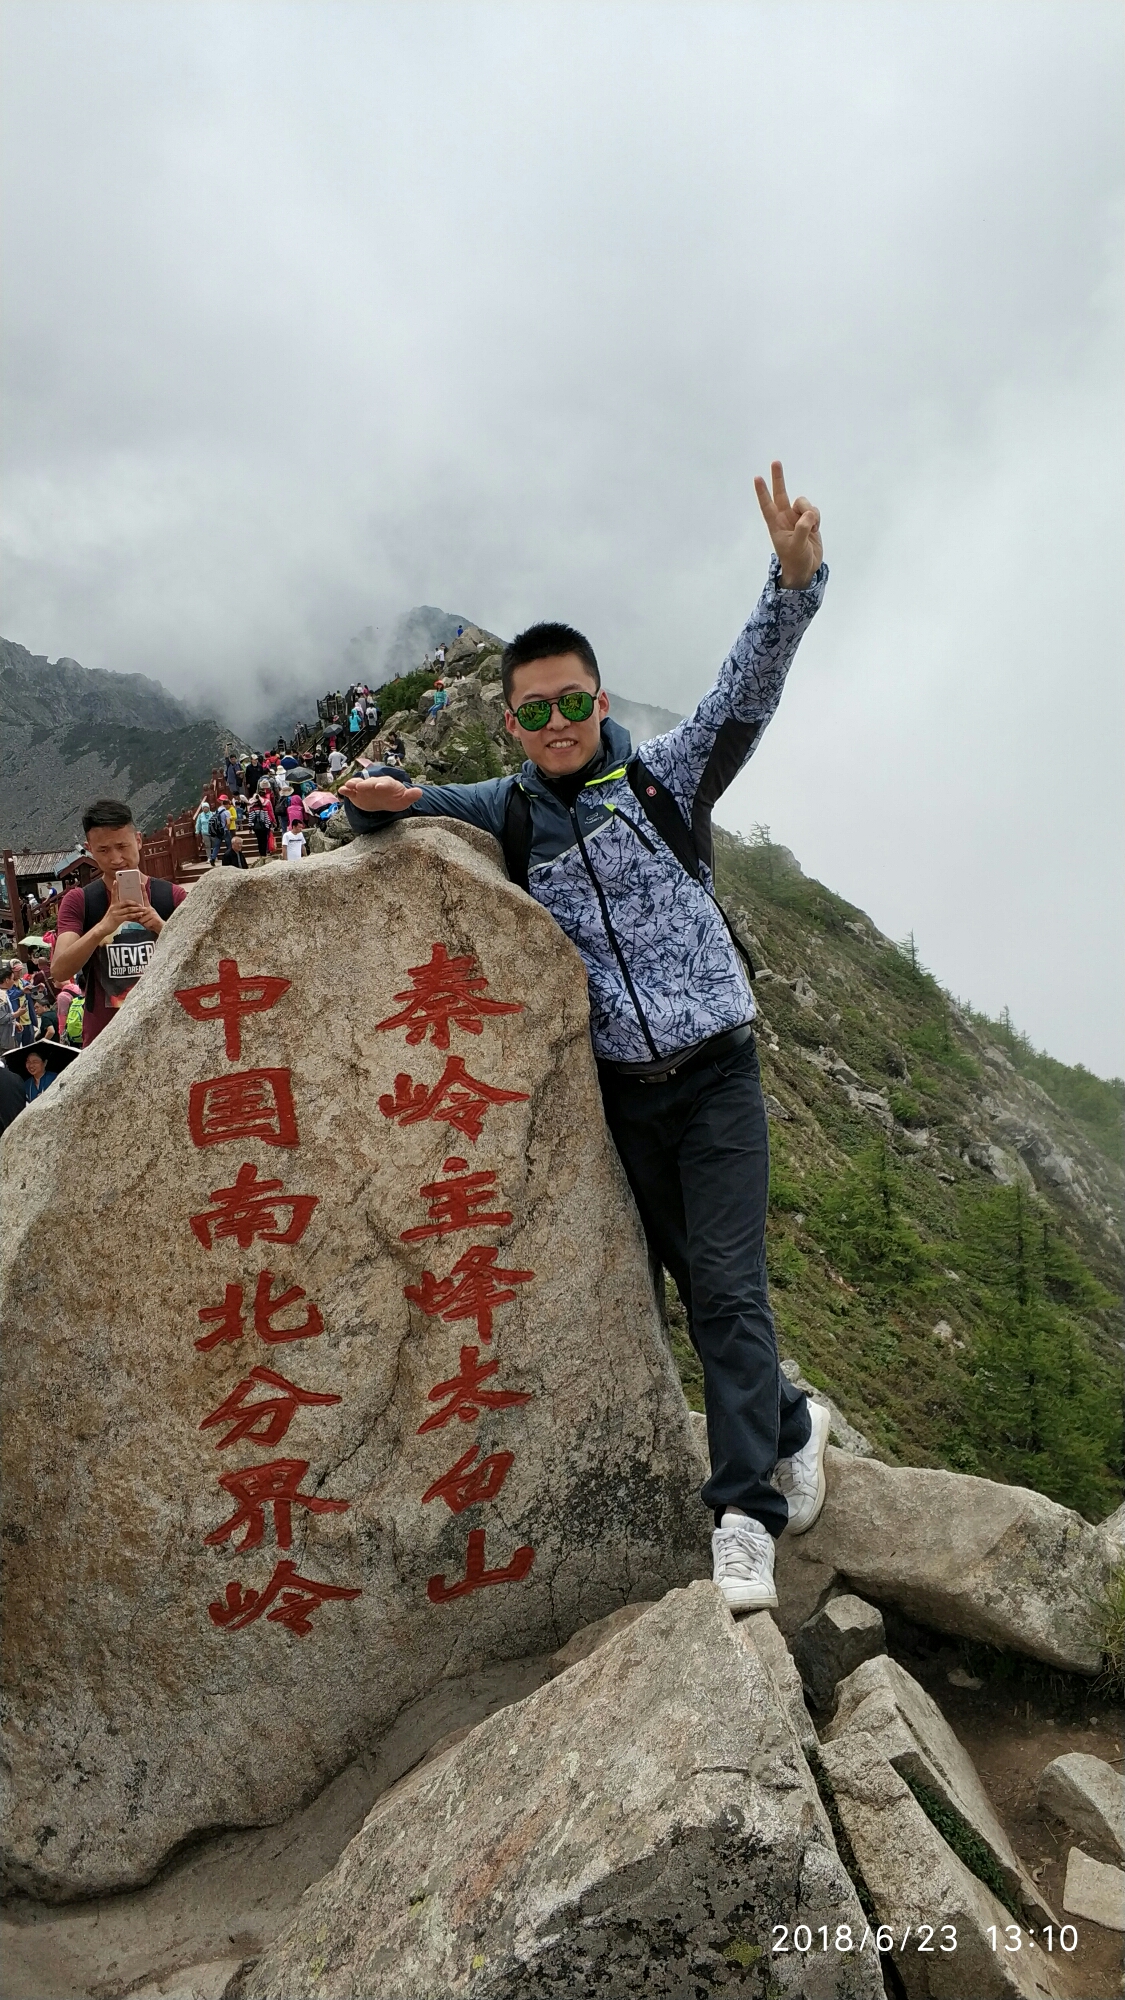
pixel 575 706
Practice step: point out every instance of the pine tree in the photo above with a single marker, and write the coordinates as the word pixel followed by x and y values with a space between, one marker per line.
pixel 1042 1407
pixel 859 1221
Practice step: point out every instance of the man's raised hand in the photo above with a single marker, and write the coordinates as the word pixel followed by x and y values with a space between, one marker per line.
pixel 380 795
pixel 794 527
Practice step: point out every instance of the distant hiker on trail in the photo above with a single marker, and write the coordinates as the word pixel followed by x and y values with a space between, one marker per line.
pixel 617 847
pixel 99 927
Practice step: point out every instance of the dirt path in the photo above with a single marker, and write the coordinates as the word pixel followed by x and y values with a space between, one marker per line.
pixel 223 1900
pixel 1012 1725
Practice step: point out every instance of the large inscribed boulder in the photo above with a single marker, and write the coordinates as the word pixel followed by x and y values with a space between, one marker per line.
pixel 331 1358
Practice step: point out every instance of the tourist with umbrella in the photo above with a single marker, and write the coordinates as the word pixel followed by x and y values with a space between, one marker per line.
pixel 39 1064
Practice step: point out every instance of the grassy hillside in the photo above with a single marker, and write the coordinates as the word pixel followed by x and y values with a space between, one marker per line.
pixel 943 1246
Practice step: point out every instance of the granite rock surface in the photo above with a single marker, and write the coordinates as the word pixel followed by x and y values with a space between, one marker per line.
pixel 347 1376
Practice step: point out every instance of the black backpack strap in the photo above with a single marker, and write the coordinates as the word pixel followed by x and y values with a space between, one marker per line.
pixel 95 900
pixel 95 903
pixel 516 837
pixel 659 806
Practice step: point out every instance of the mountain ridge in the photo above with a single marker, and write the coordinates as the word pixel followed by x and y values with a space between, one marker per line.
pixel 69 734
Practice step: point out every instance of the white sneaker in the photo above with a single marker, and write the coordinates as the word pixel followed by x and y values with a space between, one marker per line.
pixel 742 1552
pixel 800 1479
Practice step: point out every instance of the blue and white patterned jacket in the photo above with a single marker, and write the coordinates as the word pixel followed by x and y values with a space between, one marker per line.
pixel 685 973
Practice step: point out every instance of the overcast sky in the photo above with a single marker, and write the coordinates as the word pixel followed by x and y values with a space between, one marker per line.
pixel 317 311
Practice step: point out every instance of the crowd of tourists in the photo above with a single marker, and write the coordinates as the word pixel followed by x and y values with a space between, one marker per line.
pixel 269 801
pixel 89 947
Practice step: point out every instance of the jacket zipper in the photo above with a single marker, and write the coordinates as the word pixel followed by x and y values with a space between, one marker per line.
pixel 612 936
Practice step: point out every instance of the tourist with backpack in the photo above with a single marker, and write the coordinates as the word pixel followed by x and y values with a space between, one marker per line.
pixel 68 993
pixel 112 934
pixel 261 821
pixel 617 847
pixel 75 1016
pixel 219 831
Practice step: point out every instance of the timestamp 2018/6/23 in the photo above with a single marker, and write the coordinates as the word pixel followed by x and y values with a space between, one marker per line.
pixel 803 1939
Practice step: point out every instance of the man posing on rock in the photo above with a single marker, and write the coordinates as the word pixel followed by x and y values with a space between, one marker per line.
pixel 618 849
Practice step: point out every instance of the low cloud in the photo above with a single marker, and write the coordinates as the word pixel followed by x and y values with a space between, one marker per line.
pixel 316 312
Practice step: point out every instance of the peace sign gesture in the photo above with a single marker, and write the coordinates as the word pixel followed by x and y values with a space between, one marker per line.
pixel 794 527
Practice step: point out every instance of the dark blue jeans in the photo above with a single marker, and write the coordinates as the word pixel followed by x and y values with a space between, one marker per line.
pixel 696 1151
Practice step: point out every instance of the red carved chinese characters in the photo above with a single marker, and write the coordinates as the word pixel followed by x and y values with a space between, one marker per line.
pixel 457 1203
pixel 234 995
pixel 476 1576
pixel 256 1487
pixel 473 1289
pixel 294 1599
pixel 266 1421
pixel 254 1208
pixel 465 1397
pixel 467 1484
pixel 249 1104
pixel 258 1411
pixel 457 1099
pixel 444 992
pixel 228 1318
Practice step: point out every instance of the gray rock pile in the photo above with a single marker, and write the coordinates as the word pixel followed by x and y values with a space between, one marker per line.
pixel 963 1555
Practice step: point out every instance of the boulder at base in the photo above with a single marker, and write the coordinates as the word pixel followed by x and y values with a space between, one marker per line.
pixel 1088 1796
pixel 644 1824
pixel 943 1923
pixel 332 1362
pixel 884 1703
pixel 964 1555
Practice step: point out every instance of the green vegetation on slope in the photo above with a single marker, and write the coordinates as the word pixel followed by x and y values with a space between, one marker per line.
pixel 956 1321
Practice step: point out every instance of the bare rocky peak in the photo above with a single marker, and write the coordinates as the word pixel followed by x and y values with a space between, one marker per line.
pixel 69 734
pixel 43 693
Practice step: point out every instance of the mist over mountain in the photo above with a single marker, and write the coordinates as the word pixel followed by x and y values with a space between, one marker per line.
pixel 372 655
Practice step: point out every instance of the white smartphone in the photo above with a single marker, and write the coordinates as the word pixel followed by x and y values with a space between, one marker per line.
pixel 129 886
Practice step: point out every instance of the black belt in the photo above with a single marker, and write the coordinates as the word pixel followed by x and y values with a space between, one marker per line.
pixel 711 1051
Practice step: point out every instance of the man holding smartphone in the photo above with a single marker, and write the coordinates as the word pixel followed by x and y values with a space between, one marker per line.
pixel 617 848
pixel 111 926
